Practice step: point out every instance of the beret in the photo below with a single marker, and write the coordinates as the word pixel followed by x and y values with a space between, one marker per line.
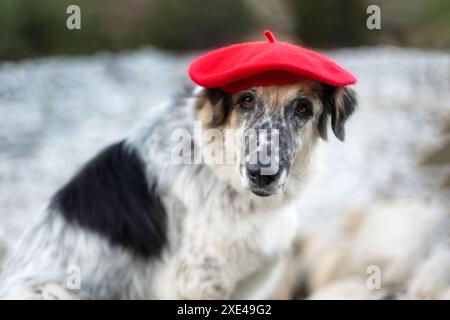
pixel 262 63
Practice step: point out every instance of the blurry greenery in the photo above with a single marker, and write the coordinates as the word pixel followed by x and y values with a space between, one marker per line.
pixel 31 28
pixel 433 26
pixel 197 24
pixel 418 23
pixel 324 23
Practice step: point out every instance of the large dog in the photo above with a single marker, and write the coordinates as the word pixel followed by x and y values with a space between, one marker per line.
pixel 137 223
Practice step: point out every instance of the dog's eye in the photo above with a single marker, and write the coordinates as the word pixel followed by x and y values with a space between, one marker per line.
pixel 247 101
pixel 303 107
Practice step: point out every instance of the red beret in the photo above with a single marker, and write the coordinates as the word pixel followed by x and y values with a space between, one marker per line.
pixel 242 66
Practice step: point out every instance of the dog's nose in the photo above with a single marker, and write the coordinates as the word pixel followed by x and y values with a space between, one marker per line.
pixel 259 176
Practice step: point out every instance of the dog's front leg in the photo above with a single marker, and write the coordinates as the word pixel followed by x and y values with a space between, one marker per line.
pixel 197 271
pixel 203 277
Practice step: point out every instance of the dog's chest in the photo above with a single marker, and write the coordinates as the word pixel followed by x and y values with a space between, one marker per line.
pixel 217 251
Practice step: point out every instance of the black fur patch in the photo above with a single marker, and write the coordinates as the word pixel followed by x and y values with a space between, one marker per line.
pixel 339 112
pixel 110 196
pixel 221 103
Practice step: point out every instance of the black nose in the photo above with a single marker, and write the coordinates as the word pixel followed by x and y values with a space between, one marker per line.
pixel 261 177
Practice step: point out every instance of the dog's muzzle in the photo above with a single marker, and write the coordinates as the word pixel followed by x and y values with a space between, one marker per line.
pixel 267 159
pixel 264 179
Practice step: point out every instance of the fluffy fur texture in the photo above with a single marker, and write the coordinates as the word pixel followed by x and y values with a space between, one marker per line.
pixel 111 196
pixel 134 224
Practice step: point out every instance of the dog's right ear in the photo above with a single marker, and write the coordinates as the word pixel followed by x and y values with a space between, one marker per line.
pixel 214 106
pixel 340 103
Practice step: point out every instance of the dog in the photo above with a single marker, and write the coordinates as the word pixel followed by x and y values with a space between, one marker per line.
pixel 134 223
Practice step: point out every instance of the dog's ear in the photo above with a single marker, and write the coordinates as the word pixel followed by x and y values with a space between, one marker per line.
pixel 216 105
pixel 340 103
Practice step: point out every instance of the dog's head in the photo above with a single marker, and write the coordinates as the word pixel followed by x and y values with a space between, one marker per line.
pixel 275 126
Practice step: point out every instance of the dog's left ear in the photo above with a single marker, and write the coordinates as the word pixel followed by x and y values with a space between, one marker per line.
pixel 340 103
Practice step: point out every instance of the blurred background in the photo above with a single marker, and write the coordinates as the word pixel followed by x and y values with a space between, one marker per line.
pixel 381 198
pixel 33 29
